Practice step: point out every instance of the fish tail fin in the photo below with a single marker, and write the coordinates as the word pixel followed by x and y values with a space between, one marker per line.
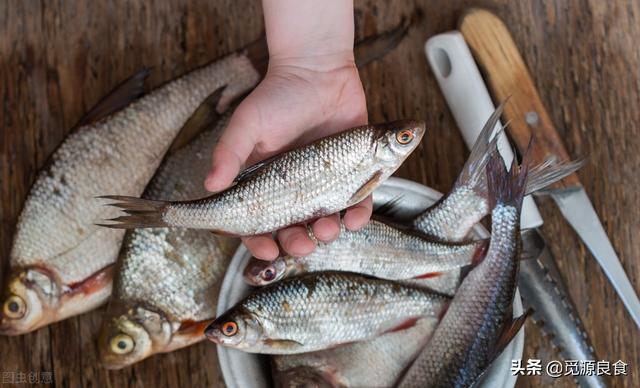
pixel 141 213
pixel 548 173
pixel 473 172
pixel 507 187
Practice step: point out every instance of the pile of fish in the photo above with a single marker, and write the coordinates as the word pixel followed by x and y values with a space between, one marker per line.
pixel 423 298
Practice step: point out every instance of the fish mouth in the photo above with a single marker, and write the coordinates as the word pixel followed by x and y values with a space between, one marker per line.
pixel 213 334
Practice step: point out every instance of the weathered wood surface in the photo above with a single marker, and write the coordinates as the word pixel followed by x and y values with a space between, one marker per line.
pixel 58 58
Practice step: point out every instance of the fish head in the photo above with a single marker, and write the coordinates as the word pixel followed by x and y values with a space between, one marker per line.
pixel 29 302
pixel 397 139
pixel 237 328
pixel 261 272
pixel 130 335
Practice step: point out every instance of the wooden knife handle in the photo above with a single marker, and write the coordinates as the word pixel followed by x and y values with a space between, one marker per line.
pixel 508 77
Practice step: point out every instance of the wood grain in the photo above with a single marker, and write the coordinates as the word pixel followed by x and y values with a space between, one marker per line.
pixel 507 77
pixel 58 58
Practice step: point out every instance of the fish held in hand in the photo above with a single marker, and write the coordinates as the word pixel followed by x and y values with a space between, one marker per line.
pixel 316 180
pixel 321 310
pixel 478 323
pixel 379 249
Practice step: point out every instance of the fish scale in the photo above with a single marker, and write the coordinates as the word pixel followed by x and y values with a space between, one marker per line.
pixel 175 269
pixel 379 249
pixel 56 238
pixel 473 322
pixel 272 192
pixel 171 274
pixel 312 181
pixel 114 144
pixel 324 309
pixel 478 323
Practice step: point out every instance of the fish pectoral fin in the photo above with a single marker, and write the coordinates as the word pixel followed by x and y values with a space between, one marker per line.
pixel 203 118
pixel 406 324
pixel 283 344
pixel 428 275
pixel 367 188
pixel 123 94
pixel 510 330
pixel 254 169
pixel 478 257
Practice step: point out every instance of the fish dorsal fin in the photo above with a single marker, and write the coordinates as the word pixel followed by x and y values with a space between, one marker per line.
pixel 203 118
pixel 255 168
pixel 367 187
pixel 390 208
pixel 121 96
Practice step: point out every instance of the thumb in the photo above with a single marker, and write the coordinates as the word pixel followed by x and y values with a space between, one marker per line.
pixel 229 155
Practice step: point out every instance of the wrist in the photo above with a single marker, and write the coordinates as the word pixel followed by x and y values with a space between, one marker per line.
pixel 310 33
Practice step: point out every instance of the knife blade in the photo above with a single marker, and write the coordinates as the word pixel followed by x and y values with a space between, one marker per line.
pixel 507 75
pixel 543 290
pixel 539 281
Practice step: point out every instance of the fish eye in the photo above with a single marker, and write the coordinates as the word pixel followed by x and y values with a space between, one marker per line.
pixel 14 307
pixel 122 344
pixel 229 329
pixel 268 274
pixel 405 136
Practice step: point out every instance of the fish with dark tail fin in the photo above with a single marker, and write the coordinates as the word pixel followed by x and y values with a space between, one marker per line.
pixel 478 323
pixel 455 214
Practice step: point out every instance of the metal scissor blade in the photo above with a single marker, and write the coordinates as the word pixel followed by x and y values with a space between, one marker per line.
pixel 578 211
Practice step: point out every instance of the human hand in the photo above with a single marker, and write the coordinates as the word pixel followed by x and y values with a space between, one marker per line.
pixel 300 100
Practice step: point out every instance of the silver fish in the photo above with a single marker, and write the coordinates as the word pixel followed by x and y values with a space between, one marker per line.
pixel 379 249
pixel 319 179
pixel 375 363
pixel 61 263
pixel 167 281
pixel 455 214
pixel 478 323
pixel 166 287
pixel 321 310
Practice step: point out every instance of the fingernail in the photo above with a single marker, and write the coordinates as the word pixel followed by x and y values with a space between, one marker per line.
pixel 210 182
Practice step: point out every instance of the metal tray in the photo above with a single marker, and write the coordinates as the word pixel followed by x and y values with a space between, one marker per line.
pixel 247 370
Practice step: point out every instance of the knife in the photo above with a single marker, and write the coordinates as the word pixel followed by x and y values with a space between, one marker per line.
pixel 539 281
pixel 507 75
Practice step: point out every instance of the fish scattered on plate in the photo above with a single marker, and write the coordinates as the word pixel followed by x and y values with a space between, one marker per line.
pixel 322 310
pixel 318 366
pixel 379 249
pixel 375 363
pixel 308 182
pixel 61 263
pixel 478 323
pixel 414 305
pixel 453 216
